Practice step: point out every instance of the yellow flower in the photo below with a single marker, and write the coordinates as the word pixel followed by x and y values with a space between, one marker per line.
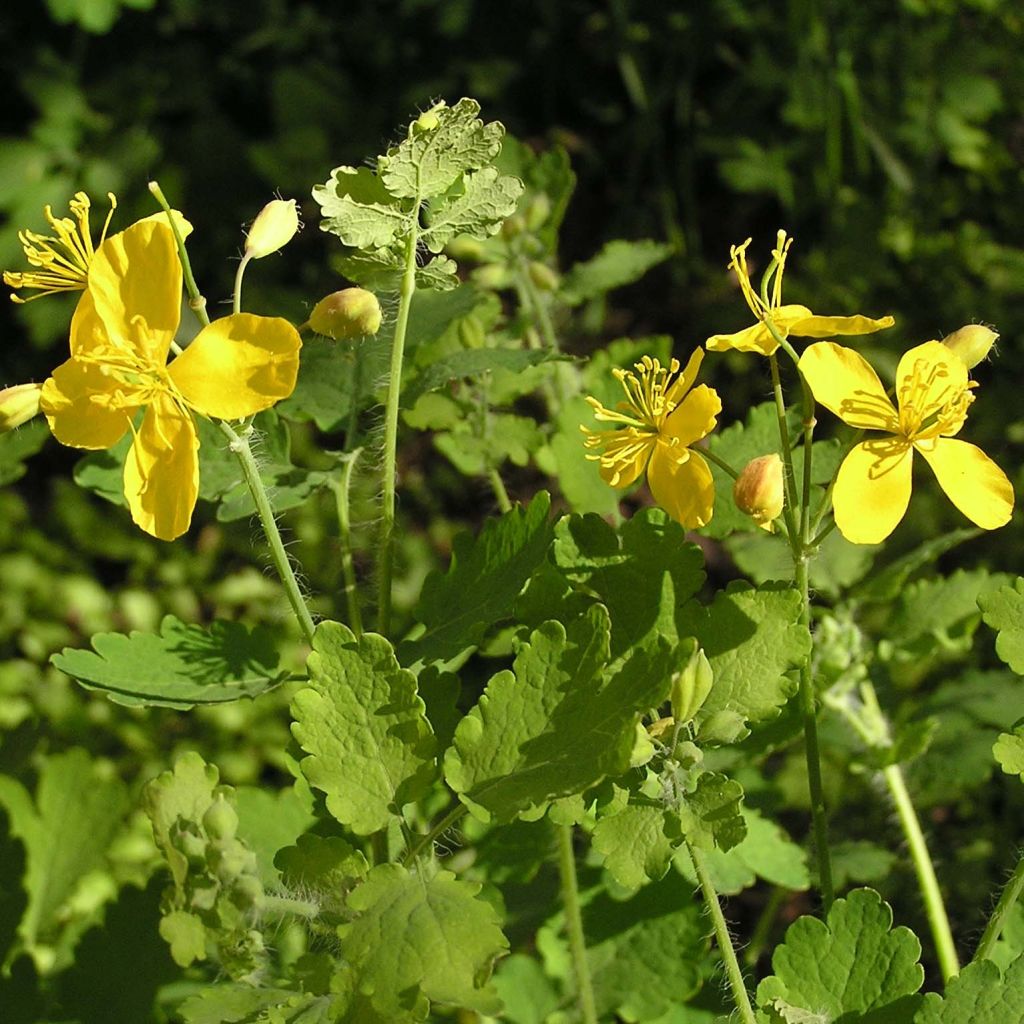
pixel 663 419
pixel 63 258
pixel 789 319
pixel 121 334
pixel 872 489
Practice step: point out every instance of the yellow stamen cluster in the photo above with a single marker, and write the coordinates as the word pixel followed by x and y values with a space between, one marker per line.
pixel 927 409
pixel 738 264
pixel 63 258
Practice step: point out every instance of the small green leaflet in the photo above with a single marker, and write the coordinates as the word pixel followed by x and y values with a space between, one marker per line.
pixel 979 994
pixel 441 941
pixel 558 723
pixel 16 446
pixel 854 964
pixel 371 747
pixel 483 198
pixel 617 264
pixel 1008 750
pixel 1004 611
pixel 485 577
pixel 635 843
pixel 180 667
pixel 358 209
pixel 243 1004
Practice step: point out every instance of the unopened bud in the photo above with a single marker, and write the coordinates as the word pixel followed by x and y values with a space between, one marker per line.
pixel 537 211
pixel 759 491
pixel 427 121
pixel 514 226
pixel 462 247
pixel 690 687
pixel 274 227
pixel 971 343
pixel 543 277
pixel 18 405
pixel 492 276
pixel 350 313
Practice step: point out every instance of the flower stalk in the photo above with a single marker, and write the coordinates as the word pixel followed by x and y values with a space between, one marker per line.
pixel 574 925
pixel 1009 896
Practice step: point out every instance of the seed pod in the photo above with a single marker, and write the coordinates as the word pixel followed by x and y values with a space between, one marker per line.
pixel 971 343
pixel 349 313
pixel 759 490
pixel 274 227
pixel 18 404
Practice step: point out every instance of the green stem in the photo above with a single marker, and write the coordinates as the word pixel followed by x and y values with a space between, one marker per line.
pixel 934 907
pixel 722 936
pixel 809 713
pixel 500 493
pixel 763 928
pixel 535 305
pixel 719 462
pixel 574 925
pixel 239 443
pixel 994 928
pixel 236 299
pixel 282 906
pixel 788 479
pixel 342 489
pixel 197 302
pixel 430 838
pixel 385 544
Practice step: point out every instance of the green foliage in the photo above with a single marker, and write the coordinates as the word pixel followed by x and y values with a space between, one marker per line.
pixel 980 994
pixel 181 667
pixel 1003 610
pixel 617 264
pixel 371 747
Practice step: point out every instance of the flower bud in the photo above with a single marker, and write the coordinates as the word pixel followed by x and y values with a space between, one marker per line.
pixel 537 211
pixel 462 247
pixel 274 227
pixel 690 687
pixel 759 491
pixel 513 226
pixel 18 405
pixel 543 276
pixel 350 313
pixel 971 343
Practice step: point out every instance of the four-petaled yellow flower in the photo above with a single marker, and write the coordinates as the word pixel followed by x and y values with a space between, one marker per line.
pixel 787 320
pixel 121 335
pixel 872 489
pixel 664 416
pixel 62 262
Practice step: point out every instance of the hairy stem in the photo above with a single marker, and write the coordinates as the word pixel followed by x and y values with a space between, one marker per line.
pixel 1007 899
pixel 934 907
pixel 725 947
pixel 342 490
pixel 236 295
pixel 239 443
pixel 457 812
pixel 574 925
pixel 385 543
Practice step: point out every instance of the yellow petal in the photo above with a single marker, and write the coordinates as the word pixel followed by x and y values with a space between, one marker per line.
pixel 623 453
pixel 684 381
pixel 238 366
pixel 971 480
pixel 161 473
pixel 135 283
pixel 827 326
pixel 76 402
pixel 694 417
pixel 929 374
pixel 844 382
pixel 685 490
pixel 872 490
pixel 752 339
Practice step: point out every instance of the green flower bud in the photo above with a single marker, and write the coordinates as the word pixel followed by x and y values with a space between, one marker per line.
pixel 543 277
pixel 537 211
pixel 18 404
pixel 462 247
pixel 690 687
pixel 246 891
pixel 493 277
pixel 513 226
pixel 349 313
pixel 471 332
pixel 759 490
pixel 971 343
pixel 274 227
pixel 220 820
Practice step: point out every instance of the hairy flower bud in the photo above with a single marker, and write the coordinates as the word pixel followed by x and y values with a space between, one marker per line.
pixel 349 313
pixel 759 490
pixel 971 343
pixel 274 227
pixel 18 404
pixel 690 687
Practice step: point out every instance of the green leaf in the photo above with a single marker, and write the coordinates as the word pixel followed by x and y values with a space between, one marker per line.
pixel 269 820
pixel 860 861
pixel 753 639
pixel 711 817
pixel 103 472
pixel 483 200
pixel 485 577
pixel 429 160
pixel 236 1004
pixel 17 446
pixel 528 995
pixel 360 720
pixel 324 867
pixel 855 964
pixel 357 208
pixel 66 832
pixel 509 437
pixel 1003 610
pixel 1008 750
pixel 644 574
pixel 186 935
pixel 635 845
pixel 413 934
pixel 471 363
pixel 979 994
pixel 557 724
pixel 180 667
pixel 617 264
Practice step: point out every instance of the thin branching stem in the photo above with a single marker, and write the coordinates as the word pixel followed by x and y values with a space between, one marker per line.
pixel 574 925
pixel 1009 896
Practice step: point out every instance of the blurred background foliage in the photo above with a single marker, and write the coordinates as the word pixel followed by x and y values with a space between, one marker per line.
pixel 888 139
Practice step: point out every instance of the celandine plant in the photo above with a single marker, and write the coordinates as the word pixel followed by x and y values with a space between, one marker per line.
pixel 636 728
